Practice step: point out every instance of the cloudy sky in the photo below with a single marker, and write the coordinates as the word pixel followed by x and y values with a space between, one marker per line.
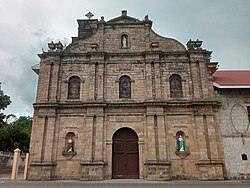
pixel 26 26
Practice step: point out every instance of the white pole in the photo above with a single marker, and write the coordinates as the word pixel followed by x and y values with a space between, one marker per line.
pixel 26 166
pixel 15 164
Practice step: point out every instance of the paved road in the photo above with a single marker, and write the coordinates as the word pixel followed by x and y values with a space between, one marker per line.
pixel 125 184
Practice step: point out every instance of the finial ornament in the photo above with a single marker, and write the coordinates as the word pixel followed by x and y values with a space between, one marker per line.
pixel 89 15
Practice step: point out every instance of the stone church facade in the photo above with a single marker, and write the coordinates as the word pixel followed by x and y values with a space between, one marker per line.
pixel 124 102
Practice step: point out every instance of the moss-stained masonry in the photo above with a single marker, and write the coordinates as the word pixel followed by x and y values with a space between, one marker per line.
pixel 86 113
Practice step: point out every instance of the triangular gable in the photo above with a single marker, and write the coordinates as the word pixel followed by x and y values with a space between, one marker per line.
pixel 124 19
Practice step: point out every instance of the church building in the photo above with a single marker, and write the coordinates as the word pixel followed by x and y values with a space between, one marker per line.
pixel 122 102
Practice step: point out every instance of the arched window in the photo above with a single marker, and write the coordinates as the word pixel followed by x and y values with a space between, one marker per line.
pixel 180 141
pixel 124 41
pixel 175 86
pixel 74 87
pixel 124 87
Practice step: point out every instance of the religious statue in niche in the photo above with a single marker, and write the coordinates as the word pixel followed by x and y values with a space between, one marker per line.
pixel 124 41
pixel 181 143
pixel 69 149
pixel 70 145
pixel 181 150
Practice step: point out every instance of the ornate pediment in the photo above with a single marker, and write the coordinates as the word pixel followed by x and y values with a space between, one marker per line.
pixel 124 18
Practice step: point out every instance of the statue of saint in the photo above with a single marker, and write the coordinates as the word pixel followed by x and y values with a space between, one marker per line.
pixel 70 145
pixel 181 143
pixel 124 41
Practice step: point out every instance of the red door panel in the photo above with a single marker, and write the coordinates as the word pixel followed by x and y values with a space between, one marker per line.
pixel 125 155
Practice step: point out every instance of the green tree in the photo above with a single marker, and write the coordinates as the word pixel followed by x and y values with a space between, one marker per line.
pixel 16 134
pixel 4 103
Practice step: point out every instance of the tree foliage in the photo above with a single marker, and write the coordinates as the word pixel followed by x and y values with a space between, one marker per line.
pixel 4 102
pixel 16 134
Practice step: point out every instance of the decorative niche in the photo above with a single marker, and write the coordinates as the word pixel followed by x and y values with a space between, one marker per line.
pixel 181 149
pixel 69 149
pixel 124 41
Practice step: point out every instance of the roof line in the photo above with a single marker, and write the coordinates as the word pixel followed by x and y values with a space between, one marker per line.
pixel 230 86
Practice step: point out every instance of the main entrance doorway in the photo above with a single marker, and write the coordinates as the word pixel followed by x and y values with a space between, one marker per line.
pixel 125 155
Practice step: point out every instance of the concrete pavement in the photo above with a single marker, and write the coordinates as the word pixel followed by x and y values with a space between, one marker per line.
pixel 136 183
pixel 114 183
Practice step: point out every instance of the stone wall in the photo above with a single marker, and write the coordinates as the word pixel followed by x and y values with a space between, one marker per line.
pixel 6 161
pixel 234 123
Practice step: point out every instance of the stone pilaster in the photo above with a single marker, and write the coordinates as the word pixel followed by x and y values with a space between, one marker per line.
pixel 151 150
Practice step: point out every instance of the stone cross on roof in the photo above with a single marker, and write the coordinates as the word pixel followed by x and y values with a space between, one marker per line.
pixel 89 15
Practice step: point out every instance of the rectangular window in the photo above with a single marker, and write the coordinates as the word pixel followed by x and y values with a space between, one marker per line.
pixel 244 157
pixel 248 111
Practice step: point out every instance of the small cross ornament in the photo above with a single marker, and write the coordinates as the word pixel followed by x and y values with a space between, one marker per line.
pixel 89 15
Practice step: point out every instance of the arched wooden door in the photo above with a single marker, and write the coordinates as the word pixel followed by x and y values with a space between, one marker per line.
pixel 125 154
